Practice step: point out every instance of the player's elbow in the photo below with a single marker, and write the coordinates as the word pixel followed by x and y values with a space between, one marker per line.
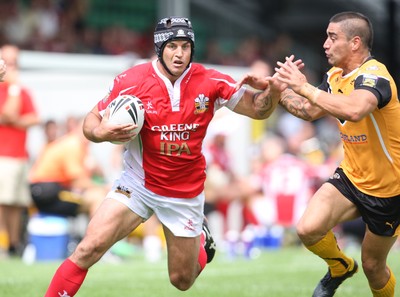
pixel 353 116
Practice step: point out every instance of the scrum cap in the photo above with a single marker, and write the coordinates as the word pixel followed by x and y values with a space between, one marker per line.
pixel 172 28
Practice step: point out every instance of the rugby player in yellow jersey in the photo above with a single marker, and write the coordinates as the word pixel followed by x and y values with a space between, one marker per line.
pixel 361 94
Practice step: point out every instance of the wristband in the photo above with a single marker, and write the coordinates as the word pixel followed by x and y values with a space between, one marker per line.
pixel 14 90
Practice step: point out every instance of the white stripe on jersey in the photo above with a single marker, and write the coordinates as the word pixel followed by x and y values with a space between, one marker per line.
pixel 123 91
pixel 378 132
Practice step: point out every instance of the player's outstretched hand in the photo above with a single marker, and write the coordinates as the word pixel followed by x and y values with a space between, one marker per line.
pixel 3 69
pixel 290 74
pixel 254 81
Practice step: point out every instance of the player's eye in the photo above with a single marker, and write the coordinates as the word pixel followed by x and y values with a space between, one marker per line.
pixel 171 46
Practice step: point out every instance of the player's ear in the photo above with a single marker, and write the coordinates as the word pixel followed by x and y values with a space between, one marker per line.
pixel 355 43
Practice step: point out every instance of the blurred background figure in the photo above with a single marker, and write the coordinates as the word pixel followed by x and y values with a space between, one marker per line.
pixel 219 187
pixel 286 185
pixel 3 68
pixel 17 115
pixel 61 179
pixel 51 131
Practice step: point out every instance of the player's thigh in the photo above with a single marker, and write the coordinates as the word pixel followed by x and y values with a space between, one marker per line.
pixel 111 222
pixel 182 253
pixel 327 208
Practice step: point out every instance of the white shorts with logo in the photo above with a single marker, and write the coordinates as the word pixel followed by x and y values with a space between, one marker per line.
pixel 14 187
pixel 182 216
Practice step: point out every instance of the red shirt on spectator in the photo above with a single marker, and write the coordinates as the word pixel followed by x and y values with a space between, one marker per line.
pixel 13 139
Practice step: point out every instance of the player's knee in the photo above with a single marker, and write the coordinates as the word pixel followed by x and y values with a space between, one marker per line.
pixel 302 230
pixel 181 281
pixel 307 232
pixel 372 267
pixel 89 251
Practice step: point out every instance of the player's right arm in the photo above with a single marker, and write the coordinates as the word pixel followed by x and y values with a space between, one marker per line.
pixel 98 129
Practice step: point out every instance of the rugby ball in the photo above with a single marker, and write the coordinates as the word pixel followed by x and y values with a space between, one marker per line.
pixel 127 109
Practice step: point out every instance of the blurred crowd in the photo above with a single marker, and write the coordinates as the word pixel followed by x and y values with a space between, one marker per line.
pixel 63 26
pixel 289 157
pixel 59 26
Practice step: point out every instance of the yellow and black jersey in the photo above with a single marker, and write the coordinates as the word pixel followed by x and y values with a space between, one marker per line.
pixel 372 145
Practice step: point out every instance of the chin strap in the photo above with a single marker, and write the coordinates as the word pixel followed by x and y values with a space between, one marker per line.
pixel 165 66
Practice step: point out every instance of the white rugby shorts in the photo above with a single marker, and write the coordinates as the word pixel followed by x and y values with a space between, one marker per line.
pixel 182 216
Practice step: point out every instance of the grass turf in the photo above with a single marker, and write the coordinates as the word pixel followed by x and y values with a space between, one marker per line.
pixel 276 273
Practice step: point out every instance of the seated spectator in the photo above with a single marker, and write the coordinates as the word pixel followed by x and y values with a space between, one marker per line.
pixel 51 130
pixel 60 179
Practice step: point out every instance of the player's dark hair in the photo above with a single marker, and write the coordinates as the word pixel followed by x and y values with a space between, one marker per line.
pixel 355 24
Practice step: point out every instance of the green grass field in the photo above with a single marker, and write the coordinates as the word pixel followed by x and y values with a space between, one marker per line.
pixel 276 273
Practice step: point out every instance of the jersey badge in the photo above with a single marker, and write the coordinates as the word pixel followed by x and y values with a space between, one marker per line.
pixel 335 176
pixel 369 81
pixel 201 104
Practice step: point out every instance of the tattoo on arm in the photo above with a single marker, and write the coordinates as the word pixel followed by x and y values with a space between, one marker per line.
pixel 295 105
pixel 264 104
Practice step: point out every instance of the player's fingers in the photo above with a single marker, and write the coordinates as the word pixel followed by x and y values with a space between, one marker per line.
pixel 299 63
pixel 283 79
pixel 283 68
pixel 290 58
pixel 127 127
pixel 289 63
pixel 241 82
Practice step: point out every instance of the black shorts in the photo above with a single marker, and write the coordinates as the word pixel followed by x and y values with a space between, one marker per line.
pixel 46 197
pixel 382 215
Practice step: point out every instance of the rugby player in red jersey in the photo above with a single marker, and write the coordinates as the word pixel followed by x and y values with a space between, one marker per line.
pixel 165 169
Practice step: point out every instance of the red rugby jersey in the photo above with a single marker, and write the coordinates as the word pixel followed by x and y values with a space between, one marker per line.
pixel 167 155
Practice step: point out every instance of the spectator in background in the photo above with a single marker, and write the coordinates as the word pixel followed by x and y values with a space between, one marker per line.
pixel 33 26
pixel 220 188
pixel 285 182
pixel 51 130
pixel 17 115
pixel 60 180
